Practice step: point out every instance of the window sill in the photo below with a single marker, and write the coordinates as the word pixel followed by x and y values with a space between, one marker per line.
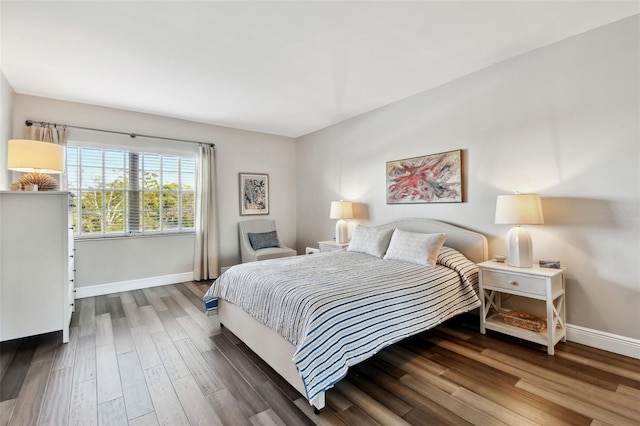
pixel 129 236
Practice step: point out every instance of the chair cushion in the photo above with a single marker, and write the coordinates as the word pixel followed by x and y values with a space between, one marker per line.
pixel 274 253
pixel 263 240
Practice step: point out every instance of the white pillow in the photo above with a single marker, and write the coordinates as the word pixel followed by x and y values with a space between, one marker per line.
pixel 414 247
pixel 370 240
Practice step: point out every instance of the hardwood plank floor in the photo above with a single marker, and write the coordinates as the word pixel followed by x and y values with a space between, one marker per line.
pixel 151 357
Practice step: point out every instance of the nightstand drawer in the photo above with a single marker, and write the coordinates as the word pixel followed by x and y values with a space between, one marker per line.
pixel 331 246
pixel 514 282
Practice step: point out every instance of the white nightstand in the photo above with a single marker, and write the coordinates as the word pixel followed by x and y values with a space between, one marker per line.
pixel 331 246
pixel 541 284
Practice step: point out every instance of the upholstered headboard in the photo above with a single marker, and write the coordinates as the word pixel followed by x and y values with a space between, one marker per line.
pixel 472 244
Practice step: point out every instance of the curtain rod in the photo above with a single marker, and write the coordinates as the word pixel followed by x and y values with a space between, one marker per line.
pixel 131 135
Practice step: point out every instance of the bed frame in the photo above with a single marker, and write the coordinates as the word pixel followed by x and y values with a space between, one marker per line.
pixel 278 352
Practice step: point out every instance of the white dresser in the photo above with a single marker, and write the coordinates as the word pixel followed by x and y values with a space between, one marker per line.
pixel 37 263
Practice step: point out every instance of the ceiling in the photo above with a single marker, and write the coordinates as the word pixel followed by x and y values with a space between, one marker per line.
pixel 287 68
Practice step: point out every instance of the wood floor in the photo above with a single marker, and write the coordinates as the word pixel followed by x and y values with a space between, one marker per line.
pixel 151 356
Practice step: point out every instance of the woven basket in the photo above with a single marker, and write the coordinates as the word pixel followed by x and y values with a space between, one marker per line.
pixel 524 320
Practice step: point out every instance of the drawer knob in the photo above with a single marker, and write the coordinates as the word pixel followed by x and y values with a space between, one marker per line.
pixel 513 282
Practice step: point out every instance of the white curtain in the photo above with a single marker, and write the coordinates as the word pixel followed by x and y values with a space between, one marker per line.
pixel 205 264
pixel 50 133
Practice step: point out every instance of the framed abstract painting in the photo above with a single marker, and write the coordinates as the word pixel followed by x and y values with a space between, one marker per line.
pixel 435 178
pixel 254 194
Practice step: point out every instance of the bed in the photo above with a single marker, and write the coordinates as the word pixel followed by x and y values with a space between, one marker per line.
pixel 311 317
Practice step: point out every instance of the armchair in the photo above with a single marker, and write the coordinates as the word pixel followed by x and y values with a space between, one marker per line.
pixel 260 226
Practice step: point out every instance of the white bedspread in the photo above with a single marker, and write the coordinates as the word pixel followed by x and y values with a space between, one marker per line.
pixel 340 308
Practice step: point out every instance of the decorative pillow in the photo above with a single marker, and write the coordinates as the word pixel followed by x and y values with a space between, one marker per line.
pixel 370 240
pixel 263 240
pixel 414 247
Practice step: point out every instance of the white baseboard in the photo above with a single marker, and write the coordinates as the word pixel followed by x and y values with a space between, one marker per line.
pixel 100 289
pixel 602 340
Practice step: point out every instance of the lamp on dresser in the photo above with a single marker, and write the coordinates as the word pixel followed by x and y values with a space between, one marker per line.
pixel 36 158
pixel 519 209
pixel 341 210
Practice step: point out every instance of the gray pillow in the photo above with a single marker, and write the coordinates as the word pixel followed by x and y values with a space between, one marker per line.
pixel 370 241
pixel 263 240
pixel 414 247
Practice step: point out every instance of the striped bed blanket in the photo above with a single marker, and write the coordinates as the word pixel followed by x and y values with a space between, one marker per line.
pixel 340 308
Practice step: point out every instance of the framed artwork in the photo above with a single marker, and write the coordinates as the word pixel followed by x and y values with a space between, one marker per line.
pixel 254 194
pixel 435 178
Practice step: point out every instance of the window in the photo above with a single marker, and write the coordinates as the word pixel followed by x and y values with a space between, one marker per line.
pixel 124 192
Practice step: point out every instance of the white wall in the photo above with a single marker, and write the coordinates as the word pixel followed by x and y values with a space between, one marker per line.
pixel 562 121
pixel 108 261
pixel 7 99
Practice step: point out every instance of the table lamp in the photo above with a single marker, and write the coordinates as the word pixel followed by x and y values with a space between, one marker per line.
pixel 36 158
pixel 519 209
pixel 341 210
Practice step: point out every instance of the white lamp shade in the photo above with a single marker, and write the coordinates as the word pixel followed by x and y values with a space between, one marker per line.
pixel 519 209
pixel 341 210
pixel 35 156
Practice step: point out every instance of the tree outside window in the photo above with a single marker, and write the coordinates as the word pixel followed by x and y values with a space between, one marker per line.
pixel 123 192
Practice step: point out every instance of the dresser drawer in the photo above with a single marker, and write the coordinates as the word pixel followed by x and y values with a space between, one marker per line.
pixel 514 282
